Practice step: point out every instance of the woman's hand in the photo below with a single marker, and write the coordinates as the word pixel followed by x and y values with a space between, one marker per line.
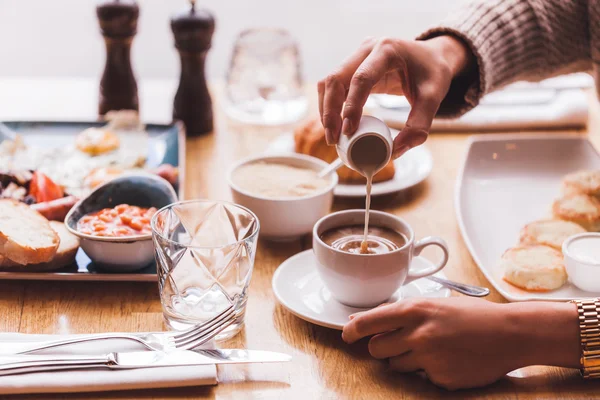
pixel 420 70
pixel 463 342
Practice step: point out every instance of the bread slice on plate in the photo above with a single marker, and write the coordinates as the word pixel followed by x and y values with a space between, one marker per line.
pixel 549 232
pixel 536 268
pixel 584 182
pixel 65 255
pixel 581 209
pixel 25 235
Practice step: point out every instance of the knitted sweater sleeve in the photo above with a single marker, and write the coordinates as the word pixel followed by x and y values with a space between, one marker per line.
pixel 514 40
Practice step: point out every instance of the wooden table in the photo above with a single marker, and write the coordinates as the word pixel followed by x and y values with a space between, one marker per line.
pixel 323 365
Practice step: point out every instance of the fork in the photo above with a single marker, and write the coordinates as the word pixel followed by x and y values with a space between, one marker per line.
pixel 163 341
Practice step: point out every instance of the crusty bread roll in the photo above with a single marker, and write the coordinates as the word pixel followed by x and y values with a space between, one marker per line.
pixel 25 235
pixel 550 232
pixel 581 209
pixel 309 138
pixel 65 255
pixel 535 268
pixel 583 182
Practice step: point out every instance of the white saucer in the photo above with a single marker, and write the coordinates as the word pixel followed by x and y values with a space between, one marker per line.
pixel 298 288
pixel 411 169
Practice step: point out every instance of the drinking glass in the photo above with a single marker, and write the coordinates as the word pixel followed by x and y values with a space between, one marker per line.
pixel 264 80
pixel 205 255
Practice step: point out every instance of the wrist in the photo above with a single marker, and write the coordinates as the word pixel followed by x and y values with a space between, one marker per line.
pixel 455 53
pixel 546 333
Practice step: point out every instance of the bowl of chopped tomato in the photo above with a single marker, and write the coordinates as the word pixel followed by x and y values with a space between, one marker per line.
pixel 113 222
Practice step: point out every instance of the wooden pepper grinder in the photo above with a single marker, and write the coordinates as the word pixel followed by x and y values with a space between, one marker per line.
pixel 193 30
pixel 118 24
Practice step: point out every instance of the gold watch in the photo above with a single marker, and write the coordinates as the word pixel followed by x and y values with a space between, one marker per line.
pixel 589 333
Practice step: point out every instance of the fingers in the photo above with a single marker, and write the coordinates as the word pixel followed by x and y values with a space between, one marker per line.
pixel 380 320
pixel 390 344
pixel 333 101
pixel 407 362
pixel 352 316
pixel 332 91
pixel 417 126
pixel 321 91
pixel 367 75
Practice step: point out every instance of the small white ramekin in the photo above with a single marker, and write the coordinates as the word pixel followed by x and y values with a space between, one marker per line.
pixel 583 273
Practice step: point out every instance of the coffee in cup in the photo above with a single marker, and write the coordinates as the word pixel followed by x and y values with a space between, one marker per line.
pixel 350 239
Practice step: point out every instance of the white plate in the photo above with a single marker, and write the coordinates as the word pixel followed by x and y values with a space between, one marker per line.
pixel 298 288
pixel 507 181
pixel 411 169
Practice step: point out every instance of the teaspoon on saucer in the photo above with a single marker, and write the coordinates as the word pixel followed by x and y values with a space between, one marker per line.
pixel 469 290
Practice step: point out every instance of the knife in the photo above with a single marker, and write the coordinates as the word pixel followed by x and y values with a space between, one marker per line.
pixel 10 365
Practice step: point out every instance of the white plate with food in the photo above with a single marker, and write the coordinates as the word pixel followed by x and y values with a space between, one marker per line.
pixel 511 206
pixel 407 171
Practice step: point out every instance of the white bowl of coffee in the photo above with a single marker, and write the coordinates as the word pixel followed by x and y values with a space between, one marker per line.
pixel 284 191
pixel 366 279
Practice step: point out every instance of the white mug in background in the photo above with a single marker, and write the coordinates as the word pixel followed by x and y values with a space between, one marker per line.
pixel 367 280
pixel 370 146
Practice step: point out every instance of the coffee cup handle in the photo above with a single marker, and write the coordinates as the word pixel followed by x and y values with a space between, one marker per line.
pixel 418 248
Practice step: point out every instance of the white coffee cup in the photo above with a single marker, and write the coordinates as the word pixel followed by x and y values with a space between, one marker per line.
pixel 367 280
pixel 372 138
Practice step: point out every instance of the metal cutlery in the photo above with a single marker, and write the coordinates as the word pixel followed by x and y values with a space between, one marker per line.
pixel 160 341
pixel 469 290
pixel 19 364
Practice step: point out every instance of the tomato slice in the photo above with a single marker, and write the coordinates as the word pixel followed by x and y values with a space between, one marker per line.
pixel 44 189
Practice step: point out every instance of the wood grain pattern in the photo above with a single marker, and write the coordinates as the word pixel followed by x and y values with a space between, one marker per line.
pixel 323 365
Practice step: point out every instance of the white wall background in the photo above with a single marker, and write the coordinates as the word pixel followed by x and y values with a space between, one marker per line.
pixel 60 38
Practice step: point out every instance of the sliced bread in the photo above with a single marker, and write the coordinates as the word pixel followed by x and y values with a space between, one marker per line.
pixel 25 235
pixel 65 255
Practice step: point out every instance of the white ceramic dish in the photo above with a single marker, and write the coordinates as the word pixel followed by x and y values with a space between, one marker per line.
pixel 299 289
pixel 507 181
pixel 582 260
pixel 288 218
pixel 121 254
pixel 411 169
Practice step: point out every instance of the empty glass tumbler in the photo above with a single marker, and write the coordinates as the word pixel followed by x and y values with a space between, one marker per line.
pixel 205 255
pixel 264 80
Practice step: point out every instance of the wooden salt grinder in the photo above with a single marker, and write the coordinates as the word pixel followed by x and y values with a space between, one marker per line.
pixel 193 30
pixel 118 24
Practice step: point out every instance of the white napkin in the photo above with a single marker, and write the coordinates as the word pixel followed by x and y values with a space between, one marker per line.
pixel 553 103
pixel 99 379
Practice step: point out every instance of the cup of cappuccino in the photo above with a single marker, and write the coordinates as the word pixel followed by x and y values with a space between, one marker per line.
pixel 366 280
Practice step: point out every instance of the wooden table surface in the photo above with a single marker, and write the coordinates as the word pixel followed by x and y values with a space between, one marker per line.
pixel 323 365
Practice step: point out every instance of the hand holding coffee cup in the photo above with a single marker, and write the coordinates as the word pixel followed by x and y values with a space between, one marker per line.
pixel 367 280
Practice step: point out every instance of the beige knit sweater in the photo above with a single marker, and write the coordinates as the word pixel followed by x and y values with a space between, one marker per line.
pixel 516 40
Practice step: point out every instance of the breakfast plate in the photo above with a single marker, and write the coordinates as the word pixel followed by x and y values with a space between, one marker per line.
pixel 411 169
pixel 299 289
pixel 507 181
pixel 163 144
